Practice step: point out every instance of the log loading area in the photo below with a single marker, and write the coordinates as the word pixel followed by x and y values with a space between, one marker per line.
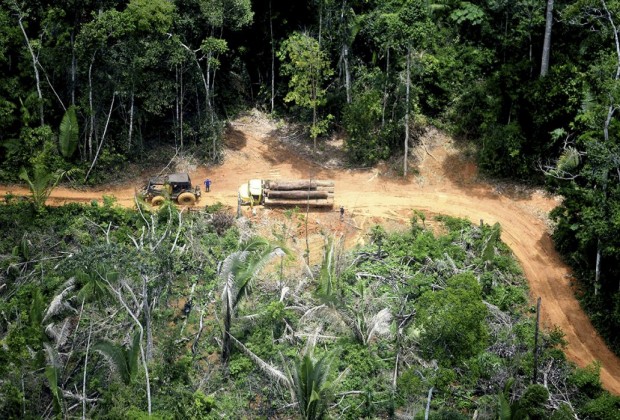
pixel 316 193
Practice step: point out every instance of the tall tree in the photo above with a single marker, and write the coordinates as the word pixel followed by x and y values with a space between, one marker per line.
pixel 589 169
pixel 22 13
pixel 308 67
pixel 407 111
pixel 544 64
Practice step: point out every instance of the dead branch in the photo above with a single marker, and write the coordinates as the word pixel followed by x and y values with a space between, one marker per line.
pixel 90 329
pixel 176 238
pixel 200 328
pixel 78 397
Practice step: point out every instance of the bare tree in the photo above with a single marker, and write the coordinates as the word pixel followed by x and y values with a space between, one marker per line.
pixel 408 84
pixel 544 65
pixel 273 59
pixel 102 139
pixel 21 14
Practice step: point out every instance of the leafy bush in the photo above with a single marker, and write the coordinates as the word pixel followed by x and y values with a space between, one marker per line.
pixel 533 401
pixel 588 380
pixel 605 407
pixel 451 321
pixel 367 142
pixel 501 151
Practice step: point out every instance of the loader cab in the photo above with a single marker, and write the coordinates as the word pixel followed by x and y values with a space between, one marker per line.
pixel 251 193
pixel 179 183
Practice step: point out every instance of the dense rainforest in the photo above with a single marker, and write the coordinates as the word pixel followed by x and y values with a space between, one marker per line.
pixel 88 87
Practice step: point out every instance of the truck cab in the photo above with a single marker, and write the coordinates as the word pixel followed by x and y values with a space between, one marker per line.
pixel 251 193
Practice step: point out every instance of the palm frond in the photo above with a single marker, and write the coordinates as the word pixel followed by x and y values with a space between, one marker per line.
pixel 268 369
pixel 133 354
pixel 36 308
pixel 237 272
pixel 254 264
pixel 568 160
pixel 95 285
pixel 231 263
pixel 23 175
pixel 51 355
pixel 283 293
pixel 229 290
pixel 68 133
pixel 312 312
pixel 310 387
pixel 116 358
pixel 379 324
pixel 59 334
pixel 110 276
pixel 254 244
pixel 51 373
pixel 57 304
pixel 312 340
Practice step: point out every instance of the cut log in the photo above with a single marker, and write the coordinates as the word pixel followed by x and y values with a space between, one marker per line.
pixel 299 203
pixel 297 185
pixel 296 195
pixel 328 189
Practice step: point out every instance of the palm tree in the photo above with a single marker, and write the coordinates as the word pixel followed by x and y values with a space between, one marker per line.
pixel 366 317
pixel 362 318
pixel 307 378
pixel 94 284
pixel 310 385
pixel 237 272
pixel 506 410
pixel 42 183
pixel 123 361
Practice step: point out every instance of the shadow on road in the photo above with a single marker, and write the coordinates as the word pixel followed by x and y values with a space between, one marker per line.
pixel 462 171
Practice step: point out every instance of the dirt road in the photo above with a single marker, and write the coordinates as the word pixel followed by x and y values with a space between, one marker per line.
pixel 445 183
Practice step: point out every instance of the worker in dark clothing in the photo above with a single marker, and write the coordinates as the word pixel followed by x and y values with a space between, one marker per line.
pixel 341 212
pixel 207 185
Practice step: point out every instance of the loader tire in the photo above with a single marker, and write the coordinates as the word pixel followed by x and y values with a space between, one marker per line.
pixel 186 199
pixel 158 200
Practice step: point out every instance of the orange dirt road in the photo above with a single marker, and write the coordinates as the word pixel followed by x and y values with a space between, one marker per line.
pixel 445 183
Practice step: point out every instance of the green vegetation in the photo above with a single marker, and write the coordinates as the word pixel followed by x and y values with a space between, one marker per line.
pixel 87 87
pixel 110 313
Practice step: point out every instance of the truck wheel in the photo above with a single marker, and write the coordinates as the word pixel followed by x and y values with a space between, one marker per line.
pixel 187 199
pixel 158 200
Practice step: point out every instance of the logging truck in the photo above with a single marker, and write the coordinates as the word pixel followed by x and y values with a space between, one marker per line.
pixel 315 193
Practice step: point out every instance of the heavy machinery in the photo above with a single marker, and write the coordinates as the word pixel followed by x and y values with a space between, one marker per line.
pixel 177 187
pixel 312 192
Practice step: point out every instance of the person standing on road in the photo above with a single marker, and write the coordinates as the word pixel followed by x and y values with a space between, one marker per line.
pixel 207 185
pixel 341 213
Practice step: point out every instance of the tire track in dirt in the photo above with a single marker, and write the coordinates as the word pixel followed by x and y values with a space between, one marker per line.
pixel 446 184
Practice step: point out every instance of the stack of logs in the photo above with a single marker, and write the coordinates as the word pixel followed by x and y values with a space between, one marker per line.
pixel 316 193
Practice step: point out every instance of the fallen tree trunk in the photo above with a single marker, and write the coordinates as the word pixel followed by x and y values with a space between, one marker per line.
pixel 297 194
pixel 328 189
pixel 297 185
pixel 321 202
